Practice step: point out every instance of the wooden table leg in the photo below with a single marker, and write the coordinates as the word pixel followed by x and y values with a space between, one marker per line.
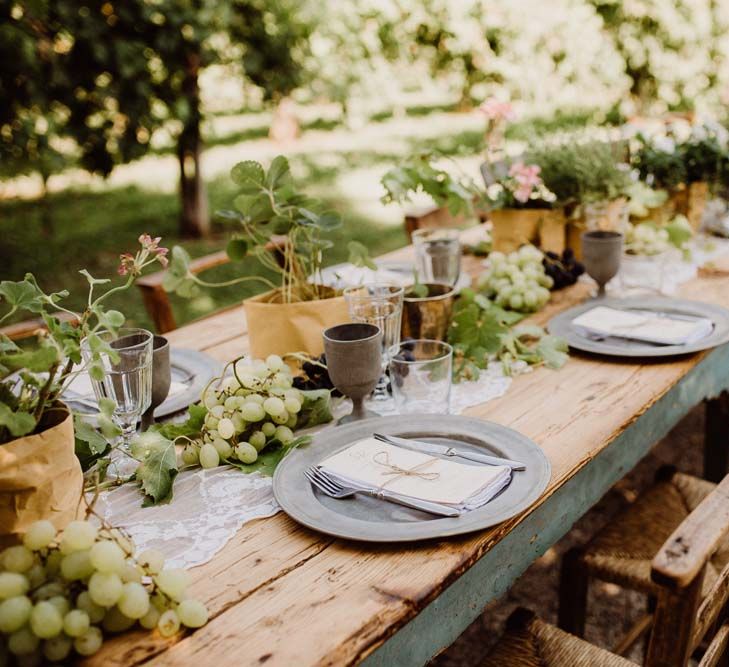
pixel 716 438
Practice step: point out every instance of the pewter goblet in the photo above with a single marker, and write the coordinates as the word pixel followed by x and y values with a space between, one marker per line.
pixel 601 253
pixel 161 378
pixel 354 362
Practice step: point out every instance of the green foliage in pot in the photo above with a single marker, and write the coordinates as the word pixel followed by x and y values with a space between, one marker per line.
pixel 659 163
pixel 33 378
pixel 705 156
pixel 581 170
pixel 269 205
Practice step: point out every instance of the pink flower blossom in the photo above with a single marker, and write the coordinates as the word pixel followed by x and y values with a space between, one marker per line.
pixel 527 179
pixel 496 111
pixel 126 265
pixel 152 246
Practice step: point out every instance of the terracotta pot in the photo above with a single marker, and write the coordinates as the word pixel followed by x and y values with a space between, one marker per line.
pixel 277 328
pixel 40 477
pixel 513 227
pixel 428 316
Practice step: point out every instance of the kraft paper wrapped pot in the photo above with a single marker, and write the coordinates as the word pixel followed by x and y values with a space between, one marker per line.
pixel 40 478
pixel 277 328
pixel 513 227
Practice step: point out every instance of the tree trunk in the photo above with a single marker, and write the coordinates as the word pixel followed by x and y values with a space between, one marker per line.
pixel 194 214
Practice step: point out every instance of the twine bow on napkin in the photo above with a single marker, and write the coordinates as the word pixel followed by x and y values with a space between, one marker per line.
pixel 383 458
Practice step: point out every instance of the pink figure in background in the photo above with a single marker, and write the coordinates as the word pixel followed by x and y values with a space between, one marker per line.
pixel 285 127
pixel 497 114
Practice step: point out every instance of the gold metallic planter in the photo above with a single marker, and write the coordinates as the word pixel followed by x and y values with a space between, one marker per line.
pixel 430 316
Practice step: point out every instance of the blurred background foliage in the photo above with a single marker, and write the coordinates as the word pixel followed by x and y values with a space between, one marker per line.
pixel 106 106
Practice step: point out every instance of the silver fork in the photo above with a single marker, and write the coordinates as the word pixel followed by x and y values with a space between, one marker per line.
pixel 335 489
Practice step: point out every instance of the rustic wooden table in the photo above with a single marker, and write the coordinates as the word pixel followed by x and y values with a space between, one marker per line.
pixel 282 595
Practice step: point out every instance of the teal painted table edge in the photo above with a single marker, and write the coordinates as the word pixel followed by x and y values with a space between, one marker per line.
pixel 446 617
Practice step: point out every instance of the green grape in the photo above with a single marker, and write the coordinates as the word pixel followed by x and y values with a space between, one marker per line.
pixel 268 429
pixel 151 560
pixel 106 556
pixel 211 423
pixel 77 565
pixel 239 423
pixel 252 412
pixel 218 411
pixel 13 584
pixel 49 590
pixel 190 455
pixel 223 448
pixel 169 623
pixel 36 575
pixel 76 622
pixel 230 385
pixel 61 603
pixel 284 434
pixel 231 403
pixel 210 400
pixel 209 457
pixel 531 298
pixel 173 582
pixel 57 648
pixel 248 380
pixel 45 620
pixel 274 406
pixel 105 588
pixel 85 603
pixel 292 421
pixel 39 535
pixel 23 642
pixel 151 618
pixel 246 452
pixel 89 642
pixel 258 440
pixel 281 419
pixel 292 405
pixel 18 558
pixel 53 562
pixel 78 535
pixel 116 621
pixel 254 398
pixel 134 601
pixel 282 381
pixel 14 613
pixel 226 428
pixel 192 613
pixel 131 572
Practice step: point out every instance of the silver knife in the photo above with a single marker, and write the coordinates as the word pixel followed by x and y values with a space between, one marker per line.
pixel 430 448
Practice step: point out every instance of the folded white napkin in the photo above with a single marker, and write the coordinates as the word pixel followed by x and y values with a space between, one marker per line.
pixel 377 465
pixel 647 326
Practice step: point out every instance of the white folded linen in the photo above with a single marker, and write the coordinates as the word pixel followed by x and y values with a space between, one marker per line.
pixel 378 465
pixel 647 326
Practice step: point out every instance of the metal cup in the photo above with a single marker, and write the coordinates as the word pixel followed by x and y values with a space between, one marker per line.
pixel 429 316
pixel 601 254
pixel 354 363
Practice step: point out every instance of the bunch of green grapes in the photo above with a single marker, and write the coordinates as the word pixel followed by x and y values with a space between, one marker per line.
pixel 646 239
pixel 517 281
pixel 60 592
pixel 247 411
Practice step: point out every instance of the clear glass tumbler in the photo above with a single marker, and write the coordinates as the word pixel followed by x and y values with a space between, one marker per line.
pixel 437 255
pixel 421 377
pixel 379 304
pixel 127 380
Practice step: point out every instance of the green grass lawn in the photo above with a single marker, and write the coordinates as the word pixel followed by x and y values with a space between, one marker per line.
pixel 93 228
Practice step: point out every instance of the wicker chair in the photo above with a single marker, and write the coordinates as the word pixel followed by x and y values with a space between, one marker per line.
pixel 622 552
pixel 691 603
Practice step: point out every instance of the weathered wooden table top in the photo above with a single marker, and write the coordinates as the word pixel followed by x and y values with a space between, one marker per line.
pixel 283 595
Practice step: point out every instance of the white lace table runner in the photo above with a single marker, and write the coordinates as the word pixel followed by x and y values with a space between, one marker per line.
pixel 210 506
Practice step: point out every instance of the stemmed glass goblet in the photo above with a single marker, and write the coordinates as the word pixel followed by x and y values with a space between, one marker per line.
pixel 601 254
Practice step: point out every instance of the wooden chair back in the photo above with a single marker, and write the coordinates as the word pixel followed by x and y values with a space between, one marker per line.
pixel 684 616
pixel 29 328
pixel 157 301
pixel 436 217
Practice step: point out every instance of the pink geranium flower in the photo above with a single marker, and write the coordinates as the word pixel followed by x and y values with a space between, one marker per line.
pixel 527 179
pixel 495 110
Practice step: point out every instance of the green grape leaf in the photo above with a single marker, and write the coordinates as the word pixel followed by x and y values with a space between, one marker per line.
pixel 18 423
pixel 22 295
pixel 110 319
pixel 237 249
pixel 315 409
pixel 553 350
pixel 359 255
pixel 190 428
pixel 157 472
pixel 35 361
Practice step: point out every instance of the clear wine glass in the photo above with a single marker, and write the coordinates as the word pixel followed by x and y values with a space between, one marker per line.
pixel 379 304
pixel 126 381
pixel 437 255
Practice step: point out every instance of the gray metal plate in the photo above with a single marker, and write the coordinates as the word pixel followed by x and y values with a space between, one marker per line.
pixel 371 520
pixel 560 325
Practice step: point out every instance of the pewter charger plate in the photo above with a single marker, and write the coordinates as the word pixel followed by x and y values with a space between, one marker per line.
pixel 561 325
pixel 372 520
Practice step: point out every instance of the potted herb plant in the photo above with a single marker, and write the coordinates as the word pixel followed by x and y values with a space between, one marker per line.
pixel 290 316
pixel 40 451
